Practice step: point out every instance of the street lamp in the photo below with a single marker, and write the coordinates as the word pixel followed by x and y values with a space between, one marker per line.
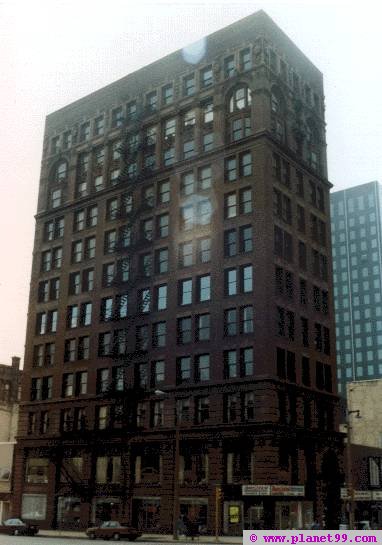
pixel 349 460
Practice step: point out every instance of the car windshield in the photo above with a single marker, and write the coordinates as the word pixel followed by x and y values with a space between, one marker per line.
pixel 114 524
pixel 13 522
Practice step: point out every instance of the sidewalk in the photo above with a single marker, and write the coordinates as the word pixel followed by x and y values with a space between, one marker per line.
pixel 155 538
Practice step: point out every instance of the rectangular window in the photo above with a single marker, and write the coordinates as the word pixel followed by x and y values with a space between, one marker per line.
pixel 158 376
pixel 245 164
pixel 206 77
pixel 230 322
pixel 230 205
pixel 186 254
pixel 184 330
pixel 104 344
pixel 185 292
pixel 246 238
pixel 204 211
pixel 231 285
pixel 151 101
pixel 117 117
pixel 204 250
pixel 163 225
pixel 202 330
pixel 144 300
pixel 161 297
pixel 230 243
pixel 161 261
pixel 99 125
pixel 247 278
pixel 142 337
pixel 187 184
pixel 246 319
pixel 167 94
pixel 159 335
pixel 189 85
pixel 229 66
pixel 208 141
pixel 245 201
pixel 184 369
pixel 208 111
pixel 202 370
pixel 204 285
pixel 202 409
pixel 245 59
pixel 86 314
pixel 164 192
pixel 83 348
pixel 230 363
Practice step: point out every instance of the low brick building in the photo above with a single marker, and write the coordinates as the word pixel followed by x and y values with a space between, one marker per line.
pixel 10 384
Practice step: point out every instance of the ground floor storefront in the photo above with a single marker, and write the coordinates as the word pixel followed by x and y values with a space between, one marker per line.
pixel 223 486
pixel 153 514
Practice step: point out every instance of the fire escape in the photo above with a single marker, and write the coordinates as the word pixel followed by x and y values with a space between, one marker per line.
pixel 122 393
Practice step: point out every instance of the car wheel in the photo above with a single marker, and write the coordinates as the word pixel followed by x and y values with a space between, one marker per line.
pixel 116 537
pixel 92 535
pixel 132 538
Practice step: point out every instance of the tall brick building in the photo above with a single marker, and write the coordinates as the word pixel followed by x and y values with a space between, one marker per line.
pixel 179 354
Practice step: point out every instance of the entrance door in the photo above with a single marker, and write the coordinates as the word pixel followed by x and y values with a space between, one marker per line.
pixel 256 516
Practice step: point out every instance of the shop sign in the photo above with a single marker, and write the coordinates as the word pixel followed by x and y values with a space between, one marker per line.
pixel 286 490
pixel 272 490
pixel 361 495
pixel 256 490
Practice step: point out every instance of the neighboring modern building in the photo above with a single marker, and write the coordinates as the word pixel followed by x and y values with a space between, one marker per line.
pixel 357 270
pixel 180 342
pixel 10 383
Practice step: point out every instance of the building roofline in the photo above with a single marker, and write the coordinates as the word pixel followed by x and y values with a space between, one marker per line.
pixel 239 31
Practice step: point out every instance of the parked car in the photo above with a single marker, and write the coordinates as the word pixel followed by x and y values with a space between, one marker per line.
pixel 17 527
pixel 111 529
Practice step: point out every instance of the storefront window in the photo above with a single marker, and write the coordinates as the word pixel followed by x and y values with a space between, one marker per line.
pixel 105 509
pixel 293 514
pixel 68 512
pixel 33 506
pixel 146 514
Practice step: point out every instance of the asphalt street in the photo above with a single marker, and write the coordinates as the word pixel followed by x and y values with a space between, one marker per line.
pixel 45 540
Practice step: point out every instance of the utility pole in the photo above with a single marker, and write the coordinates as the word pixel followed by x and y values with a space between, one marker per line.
pixel 218 497
pixel 349 462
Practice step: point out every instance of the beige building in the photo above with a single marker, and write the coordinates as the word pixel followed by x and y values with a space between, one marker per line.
pixel 366 427
pixel 9 408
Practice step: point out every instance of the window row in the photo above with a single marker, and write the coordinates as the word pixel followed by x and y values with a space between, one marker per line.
pixel 286 327
pixel 153 100
pixel 285 287
pixel 282 173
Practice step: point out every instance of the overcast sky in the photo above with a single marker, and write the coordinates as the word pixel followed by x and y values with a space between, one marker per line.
pixel 54 52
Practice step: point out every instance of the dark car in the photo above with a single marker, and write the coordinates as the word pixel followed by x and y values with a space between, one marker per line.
pixel 111 529
pixel 17 527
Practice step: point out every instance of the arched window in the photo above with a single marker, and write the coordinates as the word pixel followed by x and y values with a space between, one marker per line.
pixel 60 172
pixel 240 99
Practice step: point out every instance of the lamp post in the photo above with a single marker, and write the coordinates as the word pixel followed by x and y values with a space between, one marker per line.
pixel 349 462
